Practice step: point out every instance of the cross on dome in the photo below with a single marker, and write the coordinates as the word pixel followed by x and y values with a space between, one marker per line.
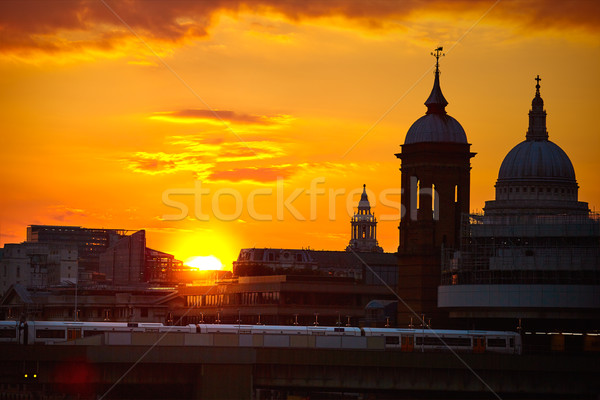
pixel 537 116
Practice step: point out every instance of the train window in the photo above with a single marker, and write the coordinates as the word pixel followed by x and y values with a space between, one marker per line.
pixel 451 341
pixel 496 342
pixel 50 334
pixel 92 333
pixel 447 341
pixel 512 342
pixel 429 341
pixel 338 329
pixel 8 333
pixel 392 340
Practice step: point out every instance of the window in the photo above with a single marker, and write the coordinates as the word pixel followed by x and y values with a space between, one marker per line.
pixel 450 341
pixel 392 340
pixel 496 342
pixel 8 333
pixel 88 333
pixel 50 333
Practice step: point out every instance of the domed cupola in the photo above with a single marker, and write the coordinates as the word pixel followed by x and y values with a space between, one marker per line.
pixel 436 125
pixel 364 227
pixel 536 175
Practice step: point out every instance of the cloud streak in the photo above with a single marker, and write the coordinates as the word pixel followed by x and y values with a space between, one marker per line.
pixel 253 174
pixel 53 27
pixel 218 116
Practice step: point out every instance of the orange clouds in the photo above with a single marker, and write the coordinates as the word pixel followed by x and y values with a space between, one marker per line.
pixel 219 117
pixel 203 157
pixel 72 26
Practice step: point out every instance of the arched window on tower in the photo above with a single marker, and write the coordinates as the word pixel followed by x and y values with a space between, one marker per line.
pixel 418 194
pixel 436 203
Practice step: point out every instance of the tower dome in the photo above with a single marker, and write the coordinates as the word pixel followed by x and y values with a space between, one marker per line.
pixel 536 174
pixel 532 161
pixel 436 125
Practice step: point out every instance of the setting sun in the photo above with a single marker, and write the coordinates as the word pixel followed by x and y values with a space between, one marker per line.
pixel 204 263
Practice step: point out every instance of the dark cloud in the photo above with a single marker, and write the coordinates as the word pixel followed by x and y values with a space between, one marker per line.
pixel 32 25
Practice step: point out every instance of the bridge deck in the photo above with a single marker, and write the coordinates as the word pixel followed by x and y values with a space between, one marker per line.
pixel 208 372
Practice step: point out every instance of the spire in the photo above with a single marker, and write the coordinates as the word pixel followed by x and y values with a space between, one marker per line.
pixel 537 117
pixel 436 103
pixel 364 204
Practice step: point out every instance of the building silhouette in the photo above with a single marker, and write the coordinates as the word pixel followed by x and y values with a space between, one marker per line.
pixel 532 259
pixel 435 179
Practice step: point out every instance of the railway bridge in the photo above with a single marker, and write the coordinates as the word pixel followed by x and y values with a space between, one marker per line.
pixel 86 370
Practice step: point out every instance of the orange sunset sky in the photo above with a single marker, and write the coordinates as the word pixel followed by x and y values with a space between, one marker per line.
pixel 113 112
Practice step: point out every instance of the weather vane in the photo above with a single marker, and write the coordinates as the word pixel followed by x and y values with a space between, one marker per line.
pixel 437 53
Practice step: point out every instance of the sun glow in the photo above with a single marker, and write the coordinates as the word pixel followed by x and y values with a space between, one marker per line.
pixel 204 263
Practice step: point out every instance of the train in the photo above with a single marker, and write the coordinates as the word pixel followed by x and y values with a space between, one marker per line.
pixel 396 339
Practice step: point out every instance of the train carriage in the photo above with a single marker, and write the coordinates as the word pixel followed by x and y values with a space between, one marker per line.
pixel 391 339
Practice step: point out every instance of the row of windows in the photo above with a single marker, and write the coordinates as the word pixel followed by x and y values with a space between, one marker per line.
pixel 540 190
pixel 452 341
pixel 521 277
pixel 287 298
pixel 94 313
pixel 232 299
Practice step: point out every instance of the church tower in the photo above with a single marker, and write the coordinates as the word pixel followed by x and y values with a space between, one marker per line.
pixel 364 227
pixel 435 178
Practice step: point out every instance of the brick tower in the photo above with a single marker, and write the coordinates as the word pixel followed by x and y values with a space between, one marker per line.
pixel 435 178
